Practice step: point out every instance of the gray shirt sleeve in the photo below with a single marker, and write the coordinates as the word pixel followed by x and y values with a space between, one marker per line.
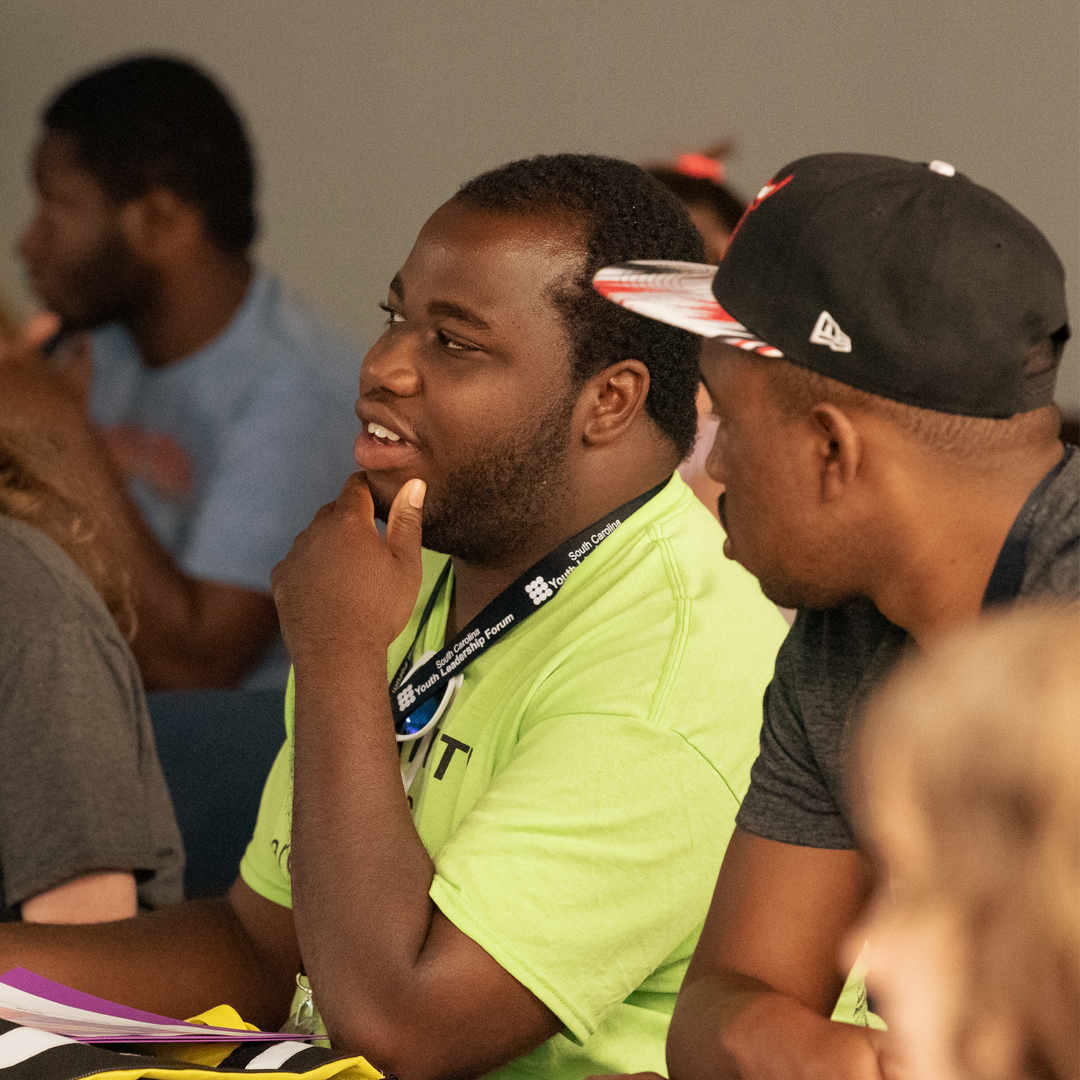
pixel 827 665
pixel 81 788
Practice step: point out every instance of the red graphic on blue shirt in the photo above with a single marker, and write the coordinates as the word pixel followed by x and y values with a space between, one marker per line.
pixel 158 460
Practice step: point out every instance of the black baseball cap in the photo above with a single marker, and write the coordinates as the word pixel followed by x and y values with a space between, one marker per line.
pixel 903 279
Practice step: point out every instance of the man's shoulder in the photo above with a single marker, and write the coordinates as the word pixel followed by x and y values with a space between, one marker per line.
pixel 51 608
pixel 829 663
pixel 684 635
pixel 40 578
pixel 672 550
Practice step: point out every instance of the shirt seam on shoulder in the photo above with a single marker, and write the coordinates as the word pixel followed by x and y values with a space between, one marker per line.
pixel 712 766
pixel 679 638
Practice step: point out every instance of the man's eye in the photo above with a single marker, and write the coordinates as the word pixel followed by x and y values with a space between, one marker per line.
pixel 392 315
pixel 450 343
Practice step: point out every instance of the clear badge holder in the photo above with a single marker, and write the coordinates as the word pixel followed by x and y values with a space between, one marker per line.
pixel 304 1018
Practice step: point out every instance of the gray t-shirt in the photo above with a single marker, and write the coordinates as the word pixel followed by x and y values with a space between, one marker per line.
pixel 832 660
pixel 81 788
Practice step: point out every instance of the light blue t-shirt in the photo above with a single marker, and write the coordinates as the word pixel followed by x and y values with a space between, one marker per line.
pixel 231 451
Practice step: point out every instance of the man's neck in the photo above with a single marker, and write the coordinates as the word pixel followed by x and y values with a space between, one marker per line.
pixel 939 573
pixel 476 584
pixel 191 306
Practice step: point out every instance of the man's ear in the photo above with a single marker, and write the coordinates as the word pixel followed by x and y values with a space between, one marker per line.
pixel 612 400
pixel 158 225
pixel 839 448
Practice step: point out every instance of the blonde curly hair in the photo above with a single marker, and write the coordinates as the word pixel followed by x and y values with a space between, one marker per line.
pixel 983 733
pixel 36 488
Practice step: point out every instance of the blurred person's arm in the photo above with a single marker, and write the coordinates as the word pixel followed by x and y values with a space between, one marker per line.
pixel 177 961
pixel 191 632
pixel 766 974
pixel 105 896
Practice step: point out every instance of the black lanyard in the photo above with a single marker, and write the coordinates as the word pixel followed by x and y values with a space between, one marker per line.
pixel 1008 574
pixel 512 606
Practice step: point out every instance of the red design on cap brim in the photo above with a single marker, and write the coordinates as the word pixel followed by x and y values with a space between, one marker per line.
pixel 679 294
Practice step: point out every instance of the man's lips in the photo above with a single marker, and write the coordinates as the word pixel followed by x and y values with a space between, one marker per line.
pixel 380 447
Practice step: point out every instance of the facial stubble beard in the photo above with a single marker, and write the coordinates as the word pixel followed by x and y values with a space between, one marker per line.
pixel 110 285
pixel 492 505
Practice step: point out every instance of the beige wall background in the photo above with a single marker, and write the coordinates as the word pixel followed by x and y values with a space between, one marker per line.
pixel 366 116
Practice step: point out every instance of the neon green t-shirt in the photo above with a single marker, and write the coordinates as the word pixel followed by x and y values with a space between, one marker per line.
pixel 580 792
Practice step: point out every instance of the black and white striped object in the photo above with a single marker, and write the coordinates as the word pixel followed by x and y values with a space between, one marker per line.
pixel 31 1054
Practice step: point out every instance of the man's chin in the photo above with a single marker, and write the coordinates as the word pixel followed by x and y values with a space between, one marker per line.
pixel 382 495
pixel 802 596
pixel 781 596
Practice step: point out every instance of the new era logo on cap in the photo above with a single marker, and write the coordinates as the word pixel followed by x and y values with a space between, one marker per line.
pixel 827 332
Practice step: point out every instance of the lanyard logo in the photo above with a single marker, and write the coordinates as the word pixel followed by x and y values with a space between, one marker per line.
pixel 412 686
pixel 538 590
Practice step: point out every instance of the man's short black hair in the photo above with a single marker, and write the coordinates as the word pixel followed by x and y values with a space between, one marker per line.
pixel 626 214
pixel 159 121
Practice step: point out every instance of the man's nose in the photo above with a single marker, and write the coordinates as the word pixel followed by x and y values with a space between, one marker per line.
pixel 390 367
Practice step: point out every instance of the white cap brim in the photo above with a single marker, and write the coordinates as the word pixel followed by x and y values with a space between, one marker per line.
pixel 677 293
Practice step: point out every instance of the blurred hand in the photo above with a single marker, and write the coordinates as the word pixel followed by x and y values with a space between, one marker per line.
pixel 40 391
pixel 33 334
pixel 159 460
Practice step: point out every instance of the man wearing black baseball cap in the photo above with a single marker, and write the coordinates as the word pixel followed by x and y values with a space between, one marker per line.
pixel 884 341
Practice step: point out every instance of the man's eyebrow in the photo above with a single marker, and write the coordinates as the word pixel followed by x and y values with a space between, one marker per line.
pixel 447 310
pixel 397 288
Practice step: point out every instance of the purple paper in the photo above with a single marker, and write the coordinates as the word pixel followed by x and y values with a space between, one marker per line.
pixel 234 1036
pixel 27 981
pixel 38 985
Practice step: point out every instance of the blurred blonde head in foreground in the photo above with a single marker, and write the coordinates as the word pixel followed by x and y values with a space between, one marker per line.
pixel 37 486
pixel 967 791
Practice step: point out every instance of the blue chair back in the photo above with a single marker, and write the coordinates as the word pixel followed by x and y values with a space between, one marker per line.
pixel 216 748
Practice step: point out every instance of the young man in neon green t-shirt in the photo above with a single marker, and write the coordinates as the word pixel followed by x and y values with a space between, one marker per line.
pixel 529 904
